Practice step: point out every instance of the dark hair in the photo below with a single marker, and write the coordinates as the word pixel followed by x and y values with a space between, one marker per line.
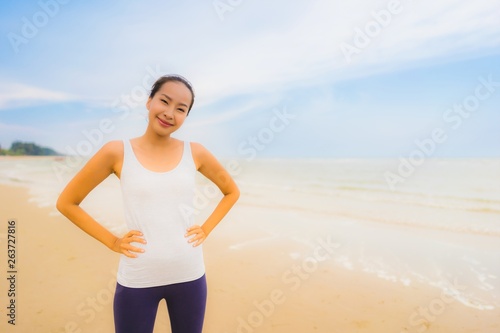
pixel 176 78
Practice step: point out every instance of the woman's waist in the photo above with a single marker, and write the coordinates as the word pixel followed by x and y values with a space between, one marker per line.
pixel 152 257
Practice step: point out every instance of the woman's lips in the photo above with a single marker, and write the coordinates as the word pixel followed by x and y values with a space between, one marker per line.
pixel 164 123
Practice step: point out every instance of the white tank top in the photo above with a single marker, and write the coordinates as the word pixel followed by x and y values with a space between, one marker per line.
pixel 153 204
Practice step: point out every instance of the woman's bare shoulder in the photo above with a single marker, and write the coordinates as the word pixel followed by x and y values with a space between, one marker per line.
pixel 113 148
pixel 112 155
pixel 198 147
pixel 199 152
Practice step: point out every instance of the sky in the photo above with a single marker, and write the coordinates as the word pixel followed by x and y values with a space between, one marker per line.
pixel 301 79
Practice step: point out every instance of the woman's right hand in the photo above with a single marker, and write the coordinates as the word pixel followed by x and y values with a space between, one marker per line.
pixel 123 246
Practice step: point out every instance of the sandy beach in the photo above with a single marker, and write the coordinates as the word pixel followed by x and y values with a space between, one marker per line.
pixel 66 281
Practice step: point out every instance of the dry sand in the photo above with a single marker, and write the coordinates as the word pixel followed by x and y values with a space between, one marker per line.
pixel 66 281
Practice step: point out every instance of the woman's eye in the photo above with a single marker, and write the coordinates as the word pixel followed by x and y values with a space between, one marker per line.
pixel 182 110
pixel 164 101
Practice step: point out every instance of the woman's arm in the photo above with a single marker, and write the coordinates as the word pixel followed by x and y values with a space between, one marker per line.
pixel 98 168
pixel 208 165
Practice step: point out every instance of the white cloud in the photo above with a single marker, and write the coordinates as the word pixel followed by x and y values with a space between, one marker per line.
pixel 308 52
pixel 18 95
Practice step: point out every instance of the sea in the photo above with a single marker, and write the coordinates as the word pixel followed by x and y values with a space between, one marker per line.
pixel 436 224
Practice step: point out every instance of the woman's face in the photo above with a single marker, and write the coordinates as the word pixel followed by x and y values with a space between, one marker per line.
pixel 169 107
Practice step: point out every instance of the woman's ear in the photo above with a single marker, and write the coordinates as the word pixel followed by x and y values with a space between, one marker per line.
pixel 148 103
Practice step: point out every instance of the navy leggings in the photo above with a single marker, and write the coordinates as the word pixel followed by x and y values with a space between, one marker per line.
pixel 135 308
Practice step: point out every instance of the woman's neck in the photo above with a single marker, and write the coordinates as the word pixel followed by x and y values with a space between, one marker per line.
pixel 153 140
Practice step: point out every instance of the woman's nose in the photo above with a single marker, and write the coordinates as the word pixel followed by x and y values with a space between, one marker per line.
pixel 168 112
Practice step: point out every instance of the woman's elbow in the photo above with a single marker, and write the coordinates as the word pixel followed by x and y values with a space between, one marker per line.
pixel 236 193
pixel 60 205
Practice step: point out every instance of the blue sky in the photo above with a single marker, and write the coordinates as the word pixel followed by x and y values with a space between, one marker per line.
pixel 67 67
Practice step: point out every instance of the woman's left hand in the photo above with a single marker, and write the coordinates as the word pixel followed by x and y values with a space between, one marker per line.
pixel 197 234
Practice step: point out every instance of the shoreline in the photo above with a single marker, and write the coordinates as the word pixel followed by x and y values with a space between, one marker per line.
pixel 66 283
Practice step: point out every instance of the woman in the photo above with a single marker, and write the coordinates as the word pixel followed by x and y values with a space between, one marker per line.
pixel 161 256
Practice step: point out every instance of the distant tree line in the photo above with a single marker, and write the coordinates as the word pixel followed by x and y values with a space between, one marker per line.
pixel 18 148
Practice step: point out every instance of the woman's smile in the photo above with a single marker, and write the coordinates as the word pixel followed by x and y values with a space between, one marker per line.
pixel 164 123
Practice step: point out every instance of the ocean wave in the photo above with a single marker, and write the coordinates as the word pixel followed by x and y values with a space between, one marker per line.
pixel 373 194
